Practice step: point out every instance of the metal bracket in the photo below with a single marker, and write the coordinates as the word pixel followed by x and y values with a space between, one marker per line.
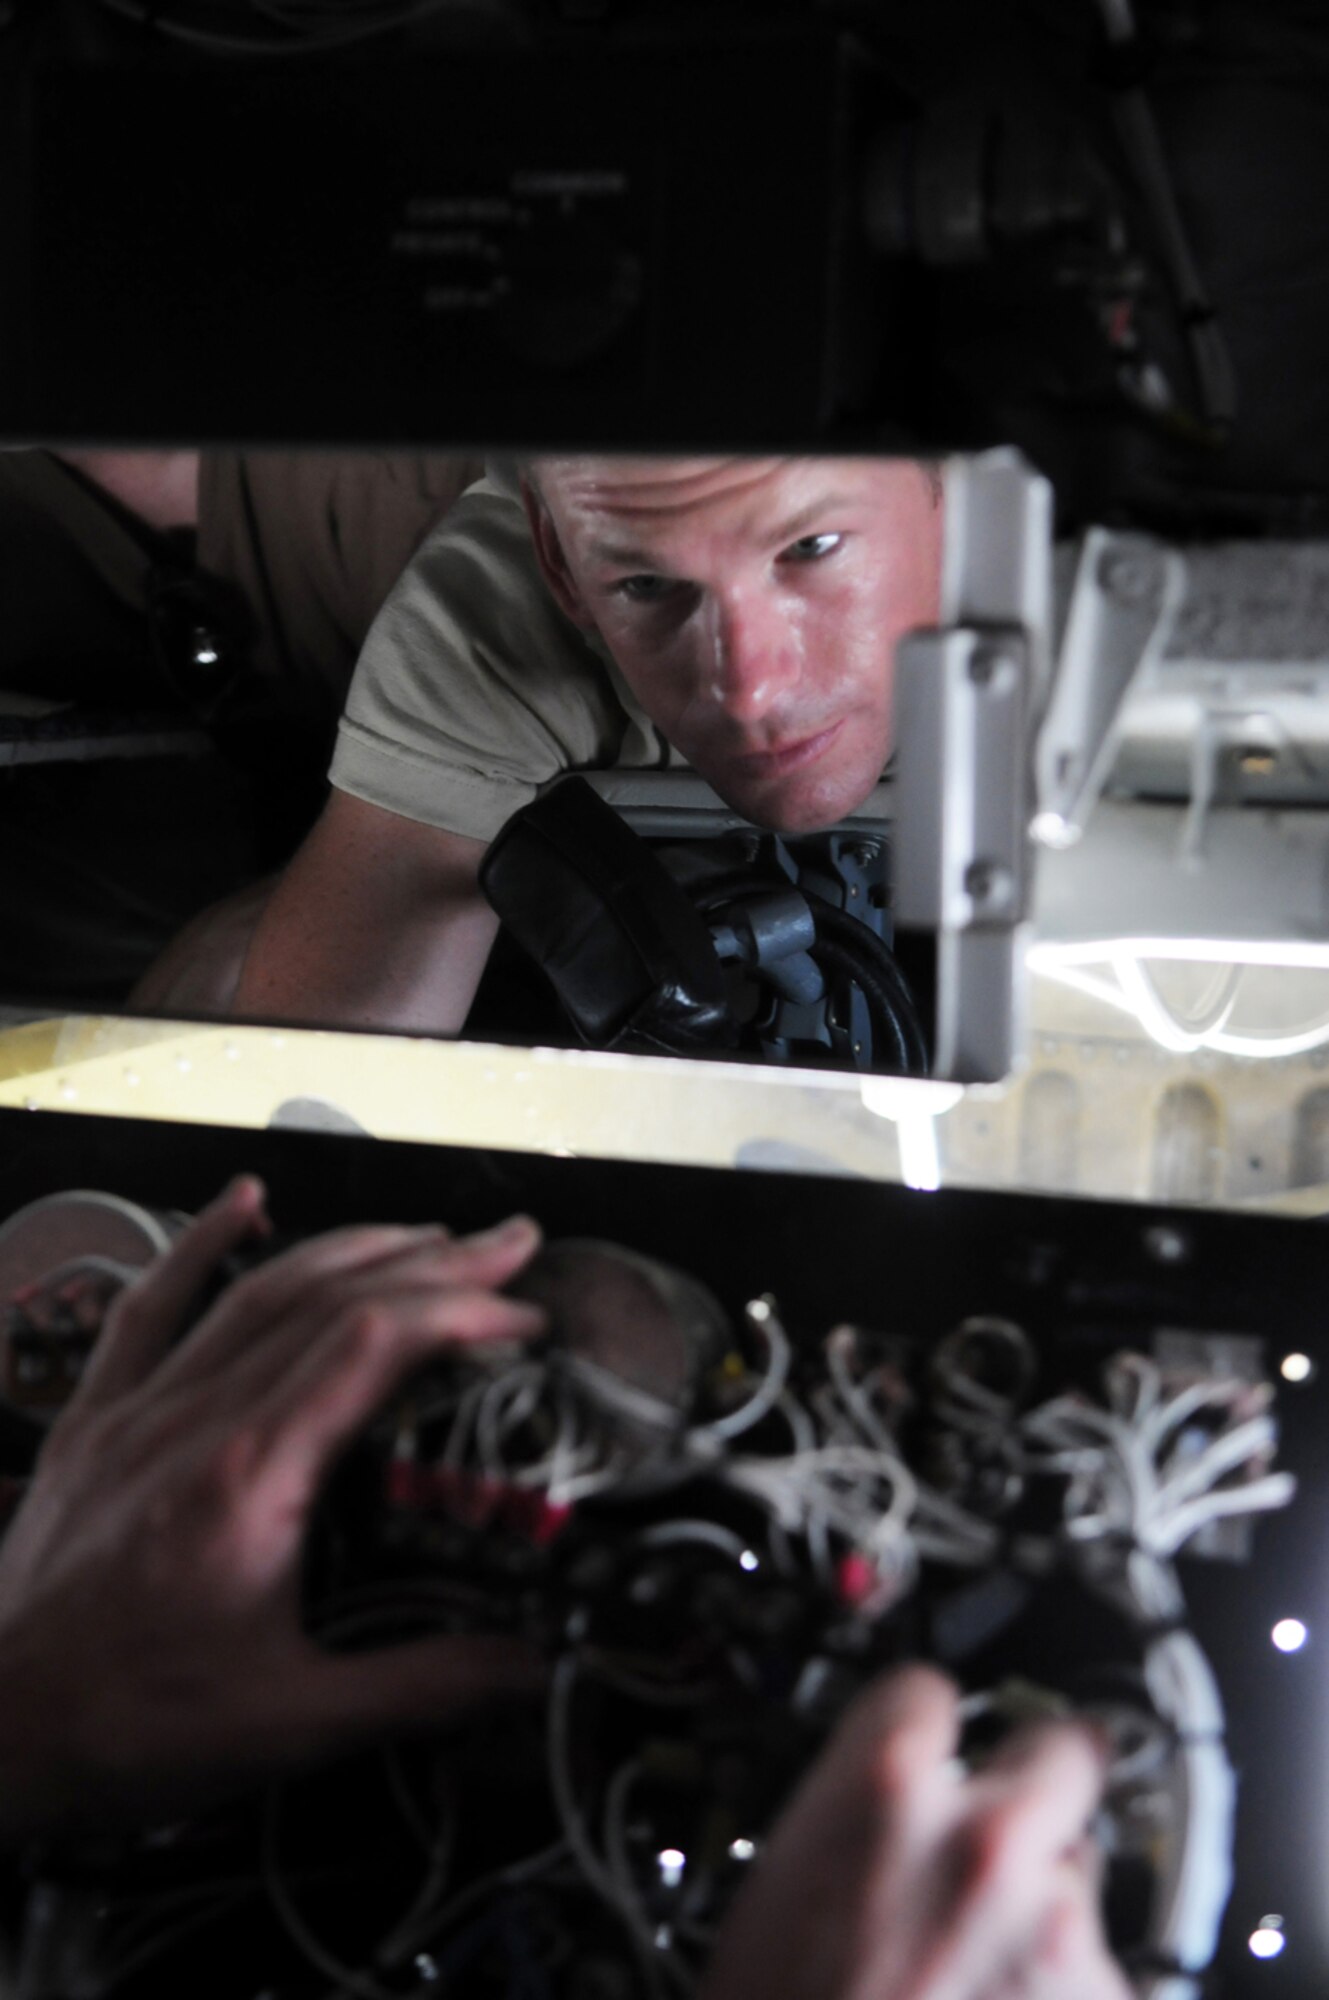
pixel 967 700
pixel 1126 598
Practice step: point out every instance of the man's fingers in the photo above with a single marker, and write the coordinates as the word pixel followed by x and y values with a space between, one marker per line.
pixel 150 1313
pixel 342 1379
pixel 1070 1953
pixel 300 1292
pixel 897 1736
pixel 1047 1778
pixel 253 1303
pixel 1015 1843
pixel 907 1724
pixel 879 1766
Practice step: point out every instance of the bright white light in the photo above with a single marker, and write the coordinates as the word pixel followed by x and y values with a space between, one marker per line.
pixel 1296 1368
pixel 1046 955
pixel 1289 1635
pixel 742 1850
pixel 913 1104
pixel 748 1560
pixel 1115 971
pixel 671 1861
pixel 1266 1942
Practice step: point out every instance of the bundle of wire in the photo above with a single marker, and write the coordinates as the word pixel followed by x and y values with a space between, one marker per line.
pixel 796 1472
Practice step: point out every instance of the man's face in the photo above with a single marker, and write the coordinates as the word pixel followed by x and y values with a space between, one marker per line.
pixel 753 607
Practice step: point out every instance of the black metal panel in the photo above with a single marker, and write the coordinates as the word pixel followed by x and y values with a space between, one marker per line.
pixel 1083 1277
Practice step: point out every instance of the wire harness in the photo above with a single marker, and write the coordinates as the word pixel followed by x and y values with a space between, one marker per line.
pixel 770 1546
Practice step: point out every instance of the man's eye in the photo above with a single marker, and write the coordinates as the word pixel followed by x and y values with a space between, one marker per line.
pixel 644 589
pixel 811 548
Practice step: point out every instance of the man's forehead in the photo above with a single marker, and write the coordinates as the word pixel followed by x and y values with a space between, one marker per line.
pixel 664 488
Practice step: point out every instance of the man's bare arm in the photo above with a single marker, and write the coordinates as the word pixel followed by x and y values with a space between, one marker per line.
pixel 378 923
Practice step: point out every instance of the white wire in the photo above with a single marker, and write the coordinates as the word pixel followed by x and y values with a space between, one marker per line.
pixel 707 1534
pixel 656 1966
pixel 351 1978
pixel 1232 1449
pixel 508 1876
pixel 1261 1496
pixel 854 1397
pixel 768 1392
pixel 463 1422
pixel 509 1401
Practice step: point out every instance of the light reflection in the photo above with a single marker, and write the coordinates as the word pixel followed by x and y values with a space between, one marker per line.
pixel 1296 1368
pixel 1267 1940
pixel 1289 1635
pixel 1117 972
pixel 671 1862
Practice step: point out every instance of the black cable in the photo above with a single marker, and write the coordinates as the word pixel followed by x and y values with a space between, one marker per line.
pixel 862 944
pixel 887 1028
pixel 861 957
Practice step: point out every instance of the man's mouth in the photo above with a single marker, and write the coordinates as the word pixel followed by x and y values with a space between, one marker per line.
pixel 783 758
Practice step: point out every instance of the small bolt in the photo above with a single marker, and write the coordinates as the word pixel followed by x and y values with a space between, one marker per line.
pixel 992 666
pixel 1131 579
pixel 987 881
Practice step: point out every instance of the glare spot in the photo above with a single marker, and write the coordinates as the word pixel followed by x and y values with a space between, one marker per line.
pixel 742 1850
pixel 1268 1940
pixel 759 1310
pixel 671 1862
pixel 1296 1368
pixel 748 1560
pixel 1289 1635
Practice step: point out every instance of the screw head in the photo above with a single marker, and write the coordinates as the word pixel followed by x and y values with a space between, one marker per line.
pixel 1131 579
pixel 987 881
pixel 993 666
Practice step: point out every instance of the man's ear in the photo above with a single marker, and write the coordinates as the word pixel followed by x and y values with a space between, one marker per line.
pixel 553 563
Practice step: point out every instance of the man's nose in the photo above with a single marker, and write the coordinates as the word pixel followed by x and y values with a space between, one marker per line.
pixel 752 659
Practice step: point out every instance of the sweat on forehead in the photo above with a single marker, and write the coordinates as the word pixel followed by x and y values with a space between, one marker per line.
pixel 638 484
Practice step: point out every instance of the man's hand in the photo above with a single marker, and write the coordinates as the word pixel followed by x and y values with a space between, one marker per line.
pixel 895 1876
pixel 151 1651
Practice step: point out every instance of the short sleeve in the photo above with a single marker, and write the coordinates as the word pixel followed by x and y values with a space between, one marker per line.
pixel 473 689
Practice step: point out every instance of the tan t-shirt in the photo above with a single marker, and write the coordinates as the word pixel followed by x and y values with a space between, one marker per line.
pixel 474 689
pixel 315 542
pixel 312 542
